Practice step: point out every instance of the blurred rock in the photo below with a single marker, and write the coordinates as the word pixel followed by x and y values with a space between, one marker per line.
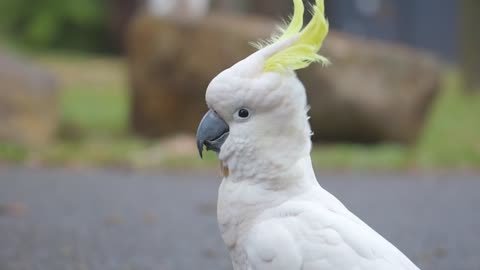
pixel 372 92
pixel 172 62
pixel 120 14
pixel 28 102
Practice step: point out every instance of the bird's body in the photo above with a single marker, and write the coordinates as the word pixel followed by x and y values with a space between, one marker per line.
pixel 298 226
pixel 272 212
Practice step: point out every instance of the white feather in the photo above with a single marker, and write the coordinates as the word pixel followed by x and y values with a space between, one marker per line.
pixel 302 228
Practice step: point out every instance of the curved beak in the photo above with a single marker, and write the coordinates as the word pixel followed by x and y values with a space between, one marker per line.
pixel 212 132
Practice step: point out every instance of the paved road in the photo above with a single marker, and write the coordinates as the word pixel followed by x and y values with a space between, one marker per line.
pixel 99 220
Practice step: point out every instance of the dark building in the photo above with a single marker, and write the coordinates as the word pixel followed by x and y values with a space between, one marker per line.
pixel 427 24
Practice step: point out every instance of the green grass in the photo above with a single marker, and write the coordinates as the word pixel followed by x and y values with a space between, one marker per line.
pixel 13 152
pixel 361 157
pixel 97 111
pixel 95 151
pixel 94 108
pixel 452 136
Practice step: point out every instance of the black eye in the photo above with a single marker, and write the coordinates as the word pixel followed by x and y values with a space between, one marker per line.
pixel 243 113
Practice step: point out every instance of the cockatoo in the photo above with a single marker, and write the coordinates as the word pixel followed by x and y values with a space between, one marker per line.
pixel 272 212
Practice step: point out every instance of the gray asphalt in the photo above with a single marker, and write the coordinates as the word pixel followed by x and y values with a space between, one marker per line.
pixel 101 220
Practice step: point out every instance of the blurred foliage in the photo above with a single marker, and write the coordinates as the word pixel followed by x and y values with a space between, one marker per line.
pixel 56 24
pixel 12 152
pixel 94 130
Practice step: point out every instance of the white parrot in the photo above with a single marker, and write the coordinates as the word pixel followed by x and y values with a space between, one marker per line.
pixel 272 213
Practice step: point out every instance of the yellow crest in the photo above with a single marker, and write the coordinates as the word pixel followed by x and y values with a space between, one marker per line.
pixel 305 50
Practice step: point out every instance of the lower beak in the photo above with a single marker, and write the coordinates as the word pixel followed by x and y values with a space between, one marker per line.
pixel 212 132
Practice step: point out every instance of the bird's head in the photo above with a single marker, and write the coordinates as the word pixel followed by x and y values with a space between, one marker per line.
pixel 258 108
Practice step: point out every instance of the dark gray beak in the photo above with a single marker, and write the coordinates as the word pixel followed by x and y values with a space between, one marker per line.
pixel 212 132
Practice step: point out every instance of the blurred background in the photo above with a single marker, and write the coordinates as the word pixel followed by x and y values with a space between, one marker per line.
pixel 121 82
pixel 114 90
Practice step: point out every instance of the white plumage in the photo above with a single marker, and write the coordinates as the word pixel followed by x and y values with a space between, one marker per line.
pixel 300 228
pixel 272 213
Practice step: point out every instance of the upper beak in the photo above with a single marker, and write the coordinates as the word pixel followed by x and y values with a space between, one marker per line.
pixel 212 132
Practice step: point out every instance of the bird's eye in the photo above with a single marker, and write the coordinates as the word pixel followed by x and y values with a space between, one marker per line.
pixel 242 114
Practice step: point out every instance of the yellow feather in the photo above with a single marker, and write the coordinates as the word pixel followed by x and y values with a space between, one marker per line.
pixel 296 22
pixel 304 51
